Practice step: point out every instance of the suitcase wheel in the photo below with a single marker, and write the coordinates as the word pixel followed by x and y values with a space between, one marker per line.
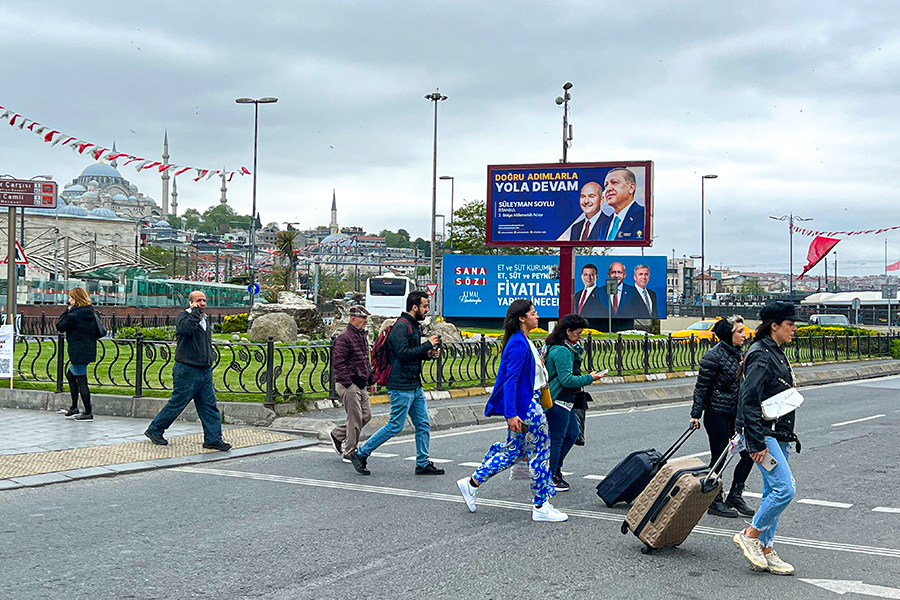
pixel 647 549
pixel 624 527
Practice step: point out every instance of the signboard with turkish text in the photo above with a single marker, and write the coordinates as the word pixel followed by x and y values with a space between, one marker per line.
pixel 640 293
pixel 570 204
pixel 485 285
pixel 27 193
pixel 6 350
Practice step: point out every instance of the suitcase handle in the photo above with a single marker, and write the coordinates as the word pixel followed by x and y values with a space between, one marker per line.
pixel 674 448
pixel 715 471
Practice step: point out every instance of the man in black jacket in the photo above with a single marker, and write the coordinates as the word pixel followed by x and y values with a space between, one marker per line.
pixel 406 352
pixel 354 380
pixel 192 377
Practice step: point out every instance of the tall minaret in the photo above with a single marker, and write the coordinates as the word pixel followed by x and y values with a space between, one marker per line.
pixel 114 163
pixel 224 188
pixel 165 176
pixel 174 199
pixel 334 224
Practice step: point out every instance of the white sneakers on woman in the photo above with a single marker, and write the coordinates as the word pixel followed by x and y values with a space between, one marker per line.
pixel 468 492
pixel 548 513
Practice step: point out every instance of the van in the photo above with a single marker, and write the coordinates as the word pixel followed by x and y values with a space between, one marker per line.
pixel 829 320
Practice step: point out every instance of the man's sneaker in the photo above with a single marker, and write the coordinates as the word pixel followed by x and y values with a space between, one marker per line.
pixel 338 445
pixel 359 463
pixel 548 513
pixel 221 445
pixel 560 484
pixel 346 460
pixel 429 469
pixel 778 566
pixel 752 550
pixel 156 438
pixel 468 492
pixel 83 417
pixel 70 415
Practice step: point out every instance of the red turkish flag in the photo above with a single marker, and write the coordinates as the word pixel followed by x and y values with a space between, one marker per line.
pixel 818 249
pixel 893 266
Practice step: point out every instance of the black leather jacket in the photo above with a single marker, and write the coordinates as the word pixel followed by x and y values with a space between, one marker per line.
pixel 766 373
pixel 406 352
pixel 717 385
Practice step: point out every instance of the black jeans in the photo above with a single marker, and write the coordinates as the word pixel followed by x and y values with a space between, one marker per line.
pixel 564 431
pixel 720 429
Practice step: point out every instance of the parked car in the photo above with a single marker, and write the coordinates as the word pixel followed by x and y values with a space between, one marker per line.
pixel 829 320
pixel 702 330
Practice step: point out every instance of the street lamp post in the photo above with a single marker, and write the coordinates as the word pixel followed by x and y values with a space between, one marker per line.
pixel 435 97
pixel 567 129
pixel 452 186
pixel 255 103
pixel 703 243
pixel 790 218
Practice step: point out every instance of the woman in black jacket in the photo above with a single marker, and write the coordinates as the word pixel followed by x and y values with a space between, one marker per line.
pixel 80 324
pixel 767 372
pixel 716 394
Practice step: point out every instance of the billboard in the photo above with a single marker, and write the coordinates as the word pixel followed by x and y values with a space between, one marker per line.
pixel 570 204
pixel 485 285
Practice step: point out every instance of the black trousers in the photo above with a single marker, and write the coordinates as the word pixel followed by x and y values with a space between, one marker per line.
pixel 720 429
pixel 78 384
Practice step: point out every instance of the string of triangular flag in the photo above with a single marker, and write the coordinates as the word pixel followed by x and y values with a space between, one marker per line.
pixel 100 153
pixel 804 231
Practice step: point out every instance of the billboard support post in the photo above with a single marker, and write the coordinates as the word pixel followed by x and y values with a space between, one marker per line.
pixel 566 281
pixel 11 267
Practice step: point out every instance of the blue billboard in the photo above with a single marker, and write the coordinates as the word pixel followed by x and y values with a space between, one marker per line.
pixel 485 285
pixel 570 204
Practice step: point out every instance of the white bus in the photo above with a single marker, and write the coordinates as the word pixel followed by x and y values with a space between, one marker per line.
pixel 386 294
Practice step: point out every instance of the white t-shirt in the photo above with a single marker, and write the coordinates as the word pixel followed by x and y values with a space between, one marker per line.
pixel 541 379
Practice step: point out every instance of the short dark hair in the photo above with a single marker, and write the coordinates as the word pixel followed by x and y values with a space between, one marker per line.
pixel 589 266
pixel 629 174
pixel 415 299
pixel 518 308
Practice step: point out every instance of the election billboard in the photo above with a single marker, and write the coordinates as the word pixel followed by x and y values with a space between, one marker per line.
pixel 570 204
pixel 485 285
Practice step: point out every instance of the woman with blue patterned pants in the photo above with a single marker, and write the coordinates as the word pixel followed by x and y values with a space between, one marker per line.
pixel 516 396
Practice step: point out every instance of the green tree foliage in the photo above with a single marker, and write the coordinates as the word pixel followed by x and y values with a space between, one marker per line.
pixel 286 244
pixel 470 230
pixel 331 286
pixel 752 286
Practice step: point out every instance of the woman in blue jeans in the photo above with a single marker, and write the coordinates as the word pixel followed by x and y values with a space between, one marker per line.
pixel 517 397
pixel 564 356
pixel 766 373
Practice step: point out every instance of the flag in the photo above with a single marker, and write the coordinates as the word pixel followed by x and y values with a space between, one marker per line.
pixel 893 266
pixel 818 249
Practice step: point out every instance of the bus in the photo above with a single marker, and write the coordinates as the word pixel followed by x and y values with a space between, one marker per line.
pixel 386 294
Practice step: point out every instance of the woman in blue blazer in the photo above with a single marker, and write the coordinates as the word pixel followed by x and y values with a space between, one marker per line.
pixel 517 397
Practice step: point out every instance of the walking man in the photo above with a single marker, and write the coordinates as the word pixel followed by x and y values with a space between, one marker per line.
pixel 354 380
pixel 406 352
pixel 192 377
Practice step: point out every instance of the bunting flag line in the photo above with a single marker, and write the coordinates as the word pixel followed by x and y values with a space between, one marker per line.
pixel 810 232
pixel 100 153
pixel 818 249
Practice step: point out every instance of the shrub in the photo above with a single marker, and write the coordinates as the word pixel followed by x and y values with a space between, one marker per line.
pixel 831 330
pixel 235 323
pixel 156 334
pixel 895 349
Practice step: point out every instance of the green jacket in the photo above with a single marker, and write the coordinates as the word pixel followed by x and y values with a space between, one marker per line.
pixel 564 368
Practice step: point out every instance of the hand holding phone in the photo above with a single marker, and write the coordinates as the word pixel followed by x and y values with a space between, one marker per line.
pixel 597 375
pixel 768 462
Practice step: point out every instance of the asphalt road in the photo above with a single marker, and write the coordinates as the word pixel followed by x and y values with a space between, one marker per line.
pixel 302 524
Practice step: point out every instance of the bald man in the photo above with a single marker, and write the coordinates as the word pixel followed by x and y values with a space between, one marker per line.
pixel 192 377
pixel 587 225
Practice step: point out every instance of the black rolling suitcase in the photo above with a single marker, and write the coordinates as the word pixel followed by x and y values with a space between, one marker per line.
pixel 631 476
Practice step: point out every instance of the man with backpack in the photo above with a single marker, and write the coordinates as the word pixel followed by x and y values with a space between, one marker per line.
pixel 354 380
pixel 404 353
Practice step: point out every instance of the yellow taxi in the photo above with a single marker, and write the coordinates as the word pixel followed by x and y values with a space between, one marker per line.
pixel 703 330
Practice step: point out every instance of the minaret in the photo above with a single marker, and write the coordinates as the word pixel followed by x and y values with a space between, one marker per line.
pixel 174 199
pixel 114 163
pixel 223 199
pixel 165 176
pixel 334 224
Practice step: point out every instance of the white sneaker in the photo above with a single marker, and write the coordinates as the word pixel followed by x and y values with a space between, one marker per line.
pixel 548 513
pixel 777 565
pixel 468 492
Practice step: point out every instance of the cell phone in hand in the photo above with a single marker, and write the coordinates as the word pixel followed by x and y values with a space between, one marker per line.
pixel 603 372
pixel 523 426
pixel 769 462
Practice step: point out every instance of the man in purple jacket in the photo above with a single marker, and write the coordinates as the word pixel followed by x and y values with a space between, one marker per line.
pixel 354 380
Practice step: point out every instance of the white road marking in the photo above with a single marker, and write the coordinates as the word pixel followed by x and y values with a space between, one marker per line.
pixel 842 587
pixel 824 503
pixel 329 449
pixel 520 506
pixel 752 494
pixel 383 455
pixel 437 461
pixel 886 509
pixel 470 464
pixel 856 420
pixel 595 477
pixel 698 455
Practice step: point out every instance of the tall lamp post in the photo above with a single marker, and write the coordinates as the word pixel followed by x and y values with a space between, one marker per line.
pixel 703 243
pixel 790 218
pixel 255 103
pixel 435 97
pixel 452 186
pixel 567 129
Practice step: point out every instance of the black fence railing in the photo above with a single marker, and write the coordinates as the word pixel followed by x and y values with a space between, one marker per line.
pixel 46 324
pixel 283 372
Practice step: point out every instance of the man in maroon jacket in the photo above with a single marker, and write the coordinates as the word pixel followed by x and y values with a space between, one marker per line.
pixel 354 380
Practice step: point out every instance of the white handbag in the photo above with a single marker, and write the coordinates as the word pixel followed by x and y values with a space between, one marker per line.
pixel 781 404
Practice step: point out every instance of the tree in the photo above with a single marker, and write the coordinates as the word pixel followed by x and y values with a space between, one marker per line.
pixel 285 244
pixel 751 286
pixel 470 231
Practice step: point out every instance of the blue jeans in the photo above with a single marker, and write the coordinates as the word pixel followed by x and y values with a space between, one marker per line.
pixel 503 455
pixel 779 488
pixel 403 402
pixel 191 383
pixel 564 430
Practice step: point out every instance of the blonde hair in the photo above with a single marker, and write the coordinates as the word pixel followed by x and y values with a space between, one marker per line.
pixel 80 296
pixel 734 320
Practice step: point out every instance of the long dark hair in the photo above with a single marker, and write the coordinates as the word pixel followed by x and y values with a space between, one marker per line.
pixel 567 323
pixel 764 329
pixel 519 308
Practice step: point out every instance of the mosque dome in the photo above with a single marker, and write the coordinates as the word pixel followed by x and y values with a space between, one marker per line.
pixel 337 239
pixel 77 187
pixel 89 195
pixel 132 187
pixel 73 210
pixel 163 225
pixel 94 183
pixel 132 198
pixel 100 170
pixel 119 197
pixel 103 213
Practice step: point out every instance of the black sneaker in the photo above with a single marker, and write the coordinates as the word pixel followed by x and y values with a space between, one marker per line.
pixel 359 463
pixel 338 445
pixel 220 445
pixel 68 412
pixel 560 484
pixel 156 438
pixel 429 469
pixel 83 417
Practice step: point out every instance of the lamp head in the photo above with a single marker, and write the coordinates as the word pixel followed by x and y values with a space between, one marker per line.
pixel 567 85
pixel 445 177
pixel 245 100
pixel 267 100
pixel 710 176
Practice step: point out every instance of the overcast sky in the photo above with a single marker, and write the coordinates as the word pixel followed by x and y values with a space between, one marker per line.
pixel 793 105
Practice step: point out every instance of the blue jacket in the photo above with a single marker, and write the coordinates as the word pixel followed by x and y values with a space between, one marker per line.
pixel 514 388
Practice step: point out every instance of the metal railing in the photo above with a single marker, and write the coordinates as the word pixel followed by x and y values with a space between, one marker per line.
pixel 284 372
pixel 44 324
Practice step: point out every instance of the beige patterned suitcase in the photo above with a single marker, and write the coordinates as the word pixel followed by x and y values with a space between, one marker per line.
pixel 671 505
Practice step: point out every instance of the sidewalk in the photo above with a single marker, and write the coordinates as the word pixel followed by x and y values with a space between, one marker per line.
pixel 39 447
